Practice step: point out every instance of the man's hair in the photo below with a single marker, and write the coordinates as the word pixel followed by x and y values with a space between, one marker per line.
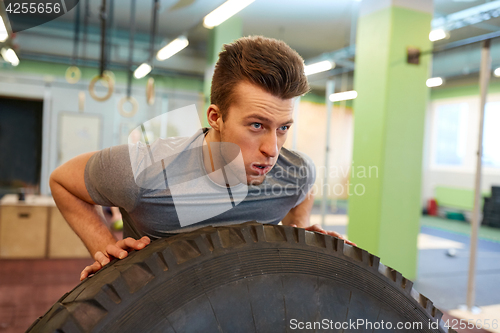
pixel 268 63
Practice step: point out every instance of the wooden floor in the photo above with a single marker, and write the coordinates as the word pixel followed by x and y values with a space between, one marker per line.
pixel 28 288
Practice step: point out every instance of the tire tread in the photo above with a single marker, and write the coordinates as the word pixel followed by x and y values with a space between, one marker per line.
pixel 120 279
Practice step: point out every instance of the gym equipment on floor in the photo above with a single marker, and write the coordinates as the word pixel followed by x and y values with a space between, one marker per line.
pixel 249 277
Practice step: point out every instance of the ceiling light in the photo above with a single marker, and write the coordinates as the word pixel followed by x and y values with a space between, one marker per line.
pixel 10 56
pixel 142 71
pixel 343 96
pixel 3 31
pixel 496 72
pixel 318 67
pixel 224 11
pixel 437 34
pixel 434 82
pixel 172 48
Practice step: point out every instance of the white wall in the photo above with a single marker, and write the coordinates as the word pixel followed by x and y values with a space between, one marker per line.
pixel 60 97
pixel 463 176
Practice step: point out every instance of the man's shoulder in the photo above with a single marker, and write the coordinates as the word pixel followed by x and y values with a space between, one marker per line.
pixel 293 164
pixel 290 157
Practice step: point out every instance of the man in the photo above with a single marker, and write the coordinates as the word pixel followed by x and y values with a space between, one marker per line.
pixel 253 88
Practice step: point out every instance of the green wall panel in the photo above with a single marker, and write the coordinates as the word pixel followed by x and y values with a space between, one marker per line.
pixel 389 118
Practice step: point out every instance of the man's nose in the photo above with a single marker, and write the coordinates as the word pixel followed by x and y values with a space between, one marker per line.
pixel 269 145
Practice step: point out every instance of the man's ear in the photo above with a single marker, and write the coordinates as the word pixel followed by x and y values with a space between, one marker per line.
pixel 214 117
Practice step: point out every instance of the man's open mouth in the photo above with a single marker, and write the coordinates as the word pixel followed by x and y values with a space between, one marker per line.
pixel 261 169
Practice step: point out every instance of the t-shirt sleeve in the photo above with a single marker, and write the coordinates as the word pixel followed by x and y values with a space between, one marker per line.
pixel 109 178
pixel 308 172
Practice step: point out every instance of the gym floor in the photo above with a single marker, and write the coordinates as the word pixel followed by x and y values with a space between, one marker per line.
pixel 443 278
pixel 28 288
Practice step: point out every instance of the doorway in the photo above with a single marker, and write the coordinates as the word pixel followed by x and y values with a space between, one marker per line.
pixel 20 144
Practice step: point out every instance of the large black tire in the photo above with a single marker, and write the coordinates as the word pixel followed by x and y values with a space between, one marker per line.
pixel 243 278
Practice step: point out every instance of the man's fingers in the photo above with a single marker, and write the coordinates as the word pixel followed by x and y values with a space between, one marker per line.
pixel 90 270
pixel 116 251
pixel 316 227
pixel 134 244
pixel 122 247
pixel 101 258
pixel 336 234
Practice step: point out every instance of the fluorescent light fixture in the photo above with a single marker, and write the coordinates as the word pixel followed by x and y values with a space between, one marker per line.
pixel 224 11
pixel 434 82
pixel 496 72
pixel 10 56
pixel 172 48
pixel 343 96
pixel 469 16
pixel 437 34
pixel 318 67
pixel 3 31
pixel 142 71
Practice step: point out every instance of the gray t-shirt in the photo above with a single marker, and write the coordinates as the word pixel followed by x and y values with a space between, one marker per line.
pixel 173 194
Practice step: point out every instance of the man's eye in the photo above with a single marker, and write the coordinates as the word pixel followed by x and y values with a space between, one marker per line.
pixel 256 125
pixel 284 128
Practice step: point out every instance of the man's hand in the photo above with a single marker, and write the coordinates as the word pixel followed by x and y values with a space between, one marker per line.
pixel 119 250
pixel 317 228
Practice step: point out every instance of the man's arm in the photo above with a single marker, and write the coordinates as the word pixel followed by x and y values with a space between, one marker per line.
pixel 299 216
pixel 77 207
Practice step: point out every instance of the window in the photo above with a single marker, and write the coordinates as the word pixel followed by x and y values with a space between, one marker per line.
pixel 450 134
pixel 491 135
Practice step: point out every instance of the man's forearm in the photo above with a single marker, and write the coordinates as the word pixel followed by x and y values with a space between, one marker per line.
pixel 83 218
pixel 300 215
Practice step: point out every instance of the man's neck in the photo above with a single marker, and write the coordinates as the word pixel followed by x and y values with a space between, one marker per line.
pixel 211 136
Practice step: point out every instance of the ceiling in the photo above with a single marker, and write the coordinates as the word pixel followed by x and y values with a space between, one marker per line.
pixel 311 27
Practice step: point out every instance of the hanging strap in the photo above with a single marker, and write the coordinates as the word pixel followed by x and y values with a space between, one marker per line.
pixel 102 65
pixel 109 32
pixel 86 15
pixel 76 38
pixel 131 47
pixel 156 6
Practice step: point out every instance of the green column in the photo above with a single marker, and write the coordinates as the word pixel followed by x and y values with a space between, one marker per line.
pixel 224 33
pixel 384 208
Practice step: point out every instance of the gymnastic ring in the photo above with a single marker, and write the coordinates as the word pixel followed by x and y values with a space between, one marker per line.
pixel 111 75
pixel 132 101
pixel 110 85
pixel 73 74
pixel 150 91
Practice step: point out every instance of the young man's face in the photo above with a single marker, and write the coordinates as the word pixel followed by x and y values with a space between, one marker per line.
pixel 258 123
